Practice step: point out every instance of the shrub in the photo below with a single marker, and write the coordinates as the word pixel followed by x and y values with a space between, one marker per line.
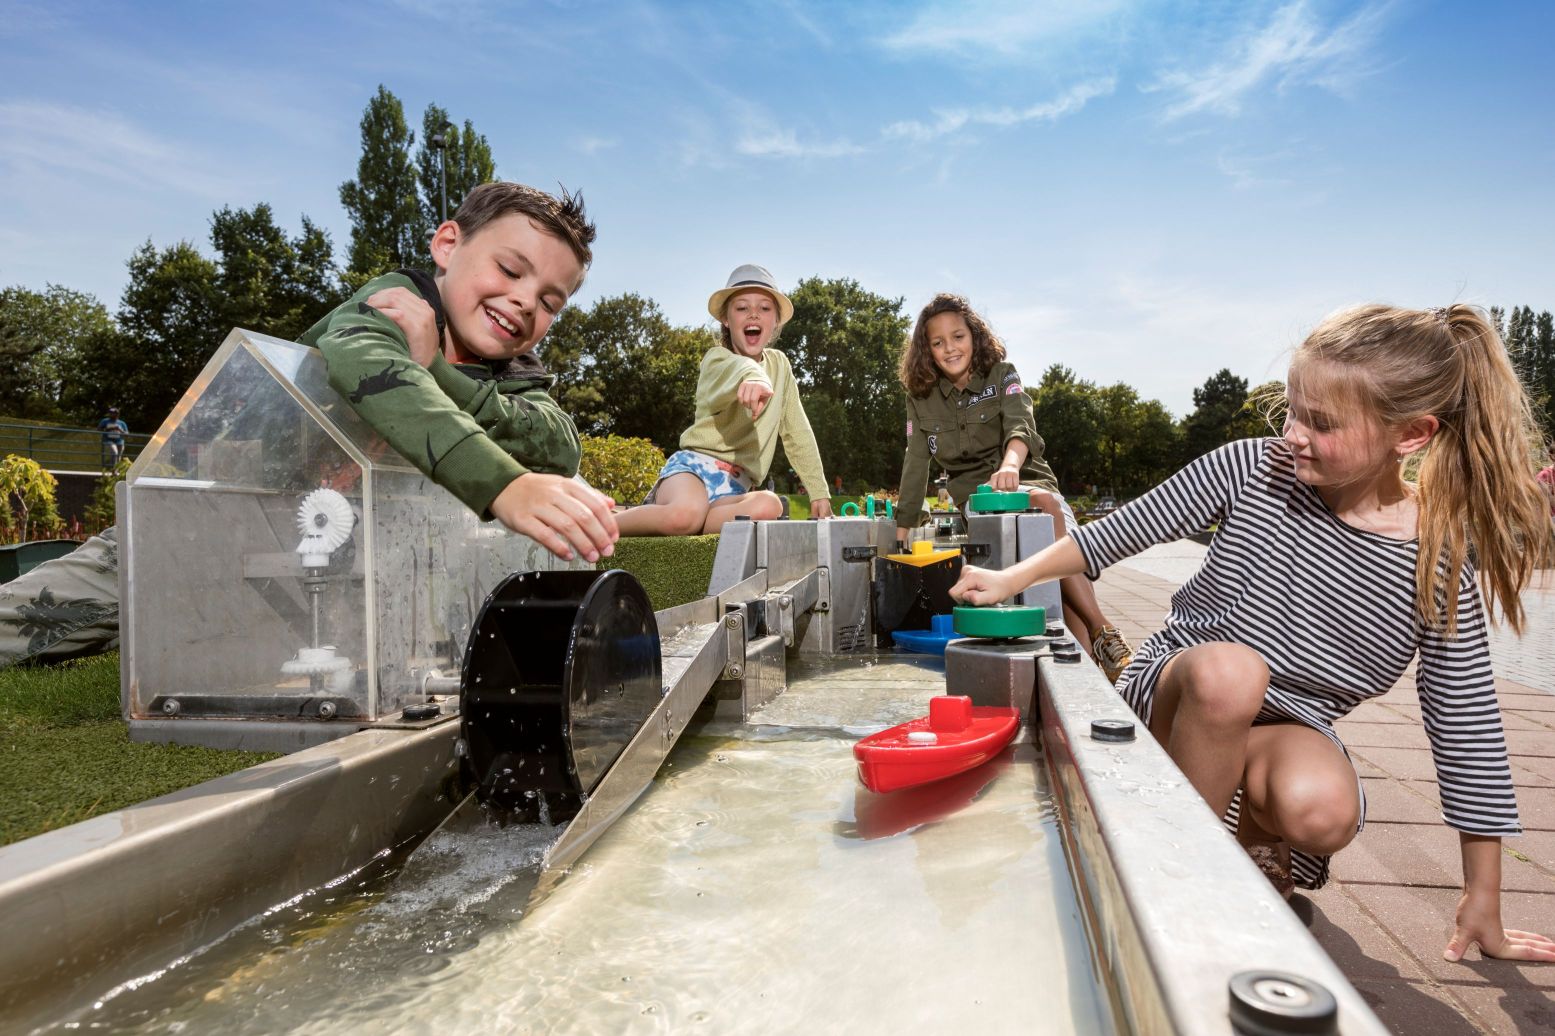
pixel 100 513
pixel 26 499
pixel 620 467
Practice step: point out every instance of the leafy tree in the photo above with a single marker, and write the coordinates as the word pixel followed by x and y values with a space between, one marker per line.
pixel 622 468
pixel 266 281
pixel 387 228
pixel 468 158
pixel 1068 417
pixel 844 344
pixel 41 334
pixel 1221 414
pixel 1156 449
pixel 623 369
pixel 169 325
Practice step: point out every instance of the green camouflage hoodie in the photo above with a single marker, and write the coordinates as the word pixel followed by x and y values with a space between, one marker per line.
pixel 470 427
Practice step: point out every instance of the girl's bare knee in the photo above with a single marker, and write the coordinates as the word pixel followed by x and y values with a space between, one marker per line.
pixel 1043 501
pixel 764 506
pixel 1316 816
pixel 1224 681
pixel 683 519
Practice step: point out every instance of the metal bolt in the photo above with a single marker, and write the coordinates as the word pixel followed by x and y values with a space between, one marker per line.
pixel 171 707
pixel 785 602
pixel 327 710
pixel 733 622
pixel 735 669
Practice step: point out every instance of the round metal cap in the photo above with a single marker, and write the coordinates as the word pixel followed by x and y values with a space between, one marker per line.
pixel 425 710
pixel 1113 731
pixel 1275 1003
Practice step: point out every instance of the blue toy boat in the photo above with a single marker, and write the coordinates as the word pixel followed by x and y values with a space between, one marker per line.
pixel 929 641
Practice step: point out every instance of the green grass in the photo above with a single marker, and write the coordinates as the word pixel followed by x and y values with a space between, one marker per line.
pixel 65 755
pixel 673 569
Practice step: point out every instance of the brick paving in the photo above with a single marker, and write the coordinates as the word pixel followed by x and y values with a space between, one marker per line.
pixel 1387 913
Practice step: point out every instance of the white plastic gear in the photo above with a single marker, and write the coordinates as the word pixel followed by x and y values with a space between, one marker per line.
pixel 310 661
pixel 325 520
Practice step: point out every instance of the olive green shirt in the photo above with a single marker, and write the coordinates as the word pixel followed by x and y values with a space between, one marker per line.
pixel 967 431
pixel 470 427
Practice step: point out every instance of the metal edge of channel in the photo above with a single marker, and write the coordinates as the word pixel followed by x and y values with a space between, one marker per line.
pixel 1175 907
pixel 118 896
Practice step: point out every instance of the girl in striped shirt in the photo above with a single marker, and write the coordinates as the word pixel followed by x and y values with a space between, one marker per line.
pixel 1322 522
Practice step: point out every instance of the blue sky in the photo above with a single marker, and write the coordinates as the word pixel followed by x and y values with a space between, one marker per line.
pixel 1145 191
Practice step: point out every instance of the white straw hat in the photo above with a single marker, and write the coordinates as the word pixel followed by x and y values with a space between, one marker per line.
pixel 747 278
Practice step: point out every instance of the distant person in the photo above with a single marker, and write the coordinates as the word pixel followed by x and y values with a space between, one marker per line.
pixel 746 401
pixel 442 366
pixel 967 410
pixel 1321 521
pixel 113 431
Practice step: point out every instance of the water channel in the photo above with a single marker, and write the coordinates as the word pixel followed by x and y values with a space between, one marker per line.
pixel 755 887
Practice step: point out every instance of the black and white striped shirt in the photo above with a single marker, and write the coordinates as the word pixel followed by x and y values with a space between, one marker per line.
pixel 1330 608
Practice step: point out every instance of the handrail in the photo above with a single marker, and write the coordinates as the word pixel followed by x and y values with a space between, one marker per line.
pixel 63 447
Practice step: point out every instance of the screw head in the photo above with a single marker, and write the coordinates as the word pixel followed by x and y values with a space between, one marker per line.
pixel 171 707
pixel 736 670
pixel 327 709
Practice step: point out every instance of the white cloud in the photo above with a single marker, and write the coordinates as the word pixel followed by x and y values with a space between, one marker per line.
pixel 998 28
pixel 773 142
pixel 949 120
pixel 102 146
pixel 1293 49
pixel 594 145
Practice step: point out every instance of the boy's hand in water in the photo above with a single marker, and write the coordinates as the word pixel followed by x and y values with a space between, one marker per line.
pixel 413 315
pixel 1479 922
pixel 753 396
pixel 1005 480
pixel 560 514
pixel 983 586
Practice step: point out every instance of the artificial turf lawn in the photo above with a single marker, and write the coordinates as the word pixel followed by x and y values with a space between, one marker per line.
pixel 65 755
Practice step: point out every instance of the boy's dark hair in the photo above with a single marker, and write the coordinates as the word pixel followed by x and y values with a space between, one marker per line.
pixel 918 372
pixel 563 216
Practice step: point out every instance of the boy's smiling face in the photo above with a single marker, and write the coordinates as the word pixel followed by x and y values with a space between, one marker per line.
pixel 502 285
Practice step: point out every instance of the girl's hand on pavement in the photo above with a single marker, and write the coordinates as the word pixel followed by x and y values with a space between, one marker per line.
pixel 1479 922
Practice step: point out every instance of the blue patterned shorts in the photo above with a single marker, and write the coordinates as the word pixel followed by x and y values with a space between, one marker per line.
pixel 720 478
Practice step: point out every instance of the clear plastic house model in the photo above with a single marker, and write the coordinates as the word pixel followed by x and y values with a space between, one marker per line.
pixel 286 577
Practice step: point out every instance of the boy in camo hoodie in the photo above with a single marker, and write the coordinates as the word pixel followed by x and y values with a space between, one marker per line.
pixel 442 367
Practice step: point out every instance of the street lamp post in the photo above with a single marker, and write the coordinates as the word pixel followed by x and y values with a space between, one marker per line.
pixel 439 140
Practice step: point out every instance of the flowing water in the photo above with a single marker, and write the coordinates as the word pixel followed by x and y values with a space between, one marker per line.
pixel 755 887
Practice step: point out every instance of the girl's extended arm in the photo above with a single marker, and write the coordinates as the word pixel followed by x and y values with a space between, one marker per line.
pixel 1479 910
pixel 989 586
pixel 1006 477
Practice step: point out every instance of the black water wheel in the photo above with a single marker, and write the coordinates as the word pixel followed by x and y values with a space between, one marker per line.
pixel 560 672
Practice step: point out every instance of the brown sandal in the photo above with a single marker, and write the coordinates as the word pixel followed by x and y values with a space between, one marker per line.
pixel 1273 859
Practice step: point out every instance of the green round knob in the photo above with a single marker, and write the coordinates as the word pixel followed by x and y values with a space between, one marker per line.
pixel 1000 621
pixel 986 500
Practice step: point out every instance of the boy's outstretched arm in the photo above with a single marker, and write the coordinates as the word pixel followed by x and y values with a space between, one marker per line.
pixel 560 514
pixel 990 586
pixel 1478 919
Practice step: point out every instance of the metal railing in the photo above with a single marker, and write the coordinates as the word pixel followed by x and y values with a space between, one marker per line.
pixel 61 448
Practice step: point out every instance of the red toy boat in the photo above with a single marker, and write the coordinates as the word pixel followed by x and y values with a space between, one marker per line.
pixel 954 737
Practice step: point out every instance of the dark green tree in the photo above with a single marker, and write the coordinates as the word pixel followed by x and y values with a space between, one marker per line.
pixel 1068 418
pixel 844 343
pixel 623 369
pixel 468 158
pixel 41 335
pixel 387 227
pixel 1221 414
pixel 168 327
pixel 266 281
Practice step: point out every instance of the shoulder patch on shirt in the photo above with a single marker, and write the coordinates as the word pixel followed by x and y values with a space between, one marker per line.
pixel 1011 376
pixel 909 428
pixel 1013 390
